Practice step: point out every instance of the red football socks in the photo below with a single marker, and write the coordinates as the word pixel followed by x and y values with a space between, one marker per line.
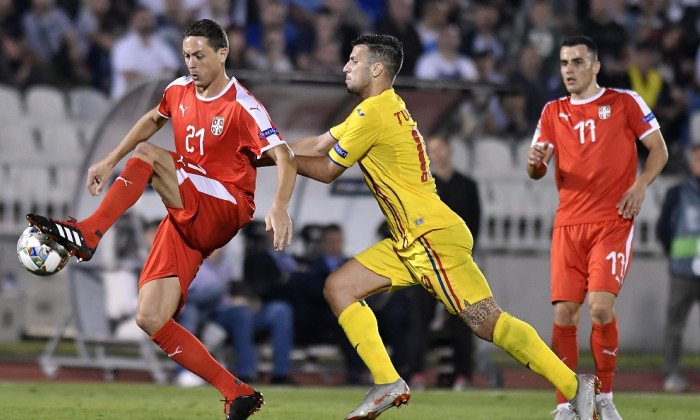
pixel 565 345
pixel 124 193
pixel 604 343
pixel 190 353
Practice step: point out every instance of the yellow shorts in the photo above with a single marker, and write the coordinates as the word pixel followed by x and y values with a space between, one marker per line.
pixel 440 260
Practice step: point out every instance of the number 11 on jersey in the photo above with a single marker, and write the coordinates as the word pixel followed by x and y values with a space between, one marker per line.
pixel 581 126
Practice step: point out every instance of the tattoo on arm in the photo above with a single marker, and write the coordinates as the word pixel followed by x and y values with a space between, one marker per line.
pixel 475 314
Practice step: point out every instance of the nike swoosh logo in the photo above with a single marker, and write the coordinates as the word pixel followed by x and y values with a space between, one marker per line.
pixel 379 400
pixel 356 346
pixel 177 351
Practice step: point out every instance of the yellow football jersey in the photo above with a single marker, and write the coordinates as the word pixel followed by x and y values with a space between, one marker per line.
pixel 383 138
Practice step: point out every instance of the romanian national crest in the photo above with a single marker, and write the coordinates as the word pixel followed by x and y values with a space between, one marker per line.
pixel 217 125
pixel 604 112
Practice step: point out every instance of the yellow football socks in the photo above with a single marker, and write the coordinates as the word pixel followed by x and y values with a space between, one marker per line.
pixel 360 326
pixel 521 341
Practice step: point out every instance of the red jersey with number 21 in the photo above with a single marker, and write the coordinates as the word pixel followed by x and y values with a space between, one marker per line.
pixel 224 134
pixel 595 151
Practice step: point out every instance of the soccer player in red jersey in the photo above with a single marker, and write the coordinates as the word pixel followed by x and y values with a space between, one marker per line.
pixel 592 135
pixel 207 186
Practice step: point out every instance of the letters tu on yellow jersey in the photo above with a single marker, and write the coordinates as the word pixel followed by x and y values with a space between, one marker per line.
pixel 382 137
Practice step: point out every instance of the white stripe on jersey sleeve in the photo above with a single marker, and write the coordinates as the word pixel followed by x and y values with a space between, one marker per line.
pixel 259 114
pixel 654 124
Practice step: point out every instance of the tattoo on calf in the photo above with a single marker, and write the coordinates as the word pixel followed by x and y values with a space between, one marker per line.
pixel 475 314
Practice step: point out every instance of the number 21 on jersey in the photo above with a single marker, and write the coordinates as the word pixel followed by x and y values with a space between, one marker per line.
pixel 582 127
pixel 192 132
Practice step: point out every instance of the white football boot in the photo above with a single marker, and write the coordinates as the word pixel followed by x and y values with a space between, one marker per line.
pixel 584 402
pixel 381 398
pixel 564 412
pixel 605 407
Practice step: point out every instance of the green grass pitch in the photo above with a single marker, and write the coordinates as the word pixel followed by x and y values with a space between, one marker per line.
pixel 76 401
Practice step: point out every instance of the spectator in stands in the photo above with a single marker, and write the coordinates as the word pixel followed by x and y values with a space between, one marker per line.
pixel 324 31
pixel 471 114
pixel 14 64
pixel 314 320
pixel 484 33
pixel 98 29
pixel 273 58
pixel 645 23
pixel 215 297
pixel 238 52
pixel 678 47
pixel 140 55
pixel 433 18
pixel 266 273
pixel 270 14
pixel 221 12
pixel 542 33
pixel 11 56
pixel 678 231
pixel 326 57
pixel 668 102
pixel 446 63
pixel 612 42
pixel 399 23
pixel 530 78
pixel 302 12
pixel 353 21
pixel 461 194
pixel 506 116
pixel 54 45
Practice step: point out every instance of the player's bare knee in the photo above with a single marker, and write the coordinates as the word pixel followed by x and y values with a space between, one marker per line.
pixel 332 288
pixel 481 317
pixel 600 314
pixel 567 313
pixel 150 322
pixel 146 152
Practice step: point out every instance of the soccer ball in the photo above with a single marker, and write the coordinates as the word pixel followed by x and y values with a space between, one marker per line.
pixel 39 254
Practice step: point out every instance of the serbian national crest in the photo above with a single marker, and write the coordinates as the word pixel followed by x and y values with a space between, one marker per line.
pixel 217 125
pixel 603 112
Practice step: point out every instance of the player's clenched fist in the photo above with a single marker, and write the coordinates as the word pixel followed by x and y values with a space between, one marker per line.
pixel 537 153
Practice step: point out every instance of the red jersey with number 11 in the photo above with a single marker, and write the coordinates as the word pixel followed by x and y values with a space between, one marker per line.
pixel 594 150
pixel 224 134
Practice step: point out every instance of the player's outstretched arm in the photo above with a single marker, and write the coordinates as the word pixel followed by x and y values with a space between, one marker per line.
pixel 320 168
pixel 631 202
pixel 308 146
pixel 144 129
pixel 313 146
pixel 277 218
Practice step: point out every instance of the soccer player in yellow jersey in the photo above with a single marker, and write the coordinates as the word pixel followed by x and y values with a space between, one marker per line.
pixel 430 244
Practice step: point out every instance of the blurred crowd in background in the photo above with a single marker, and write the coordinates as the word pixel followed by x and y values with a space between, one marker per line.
pixel 650 46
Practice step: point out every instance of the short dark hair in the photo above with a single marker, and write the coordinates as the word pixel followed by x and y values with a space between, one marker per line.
pixel 386 49
pixel 582 40
pixel 207 28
